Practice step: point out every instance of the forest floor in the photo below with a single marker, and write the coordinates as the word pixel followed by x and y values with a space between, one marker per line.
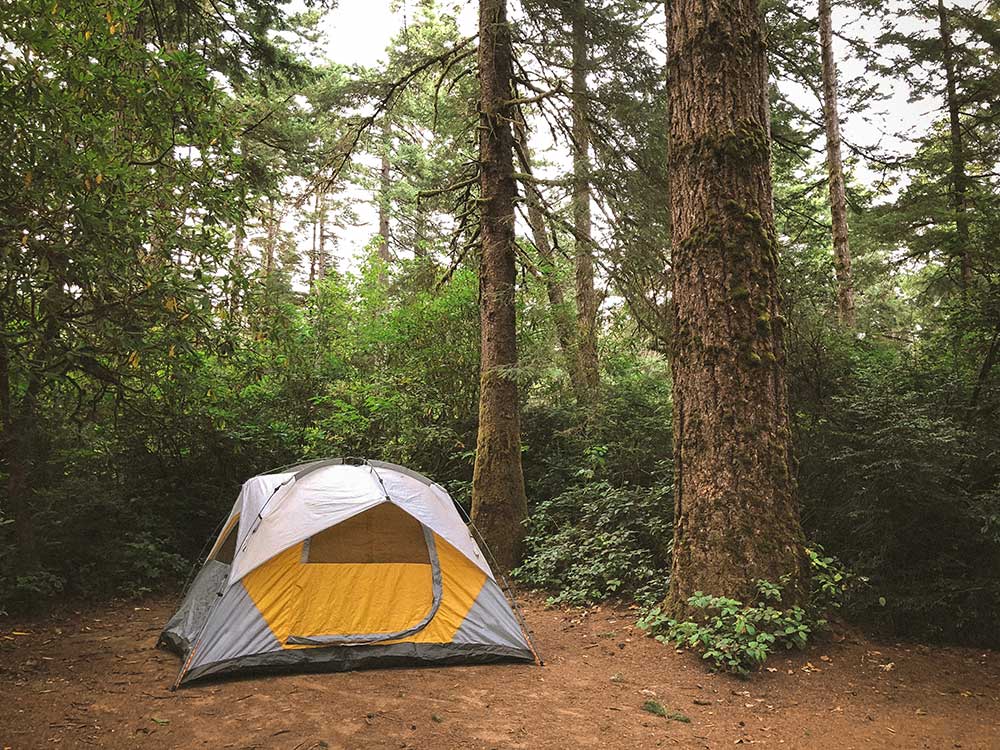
pixel 92 678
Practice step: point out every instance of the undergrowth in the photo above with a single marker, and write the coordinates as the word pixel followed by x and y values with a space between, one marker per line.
pixel 736 636
pixel 596 541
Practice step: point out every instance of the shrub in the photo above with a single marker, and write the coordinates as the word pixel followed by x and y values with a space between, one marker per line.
pixel 896 482
pixel 594 541
pixel 738 637
pixel 27 591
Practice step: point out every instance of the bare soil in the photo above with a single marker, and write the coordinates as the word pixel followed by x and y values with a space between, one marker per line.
pixel 93 678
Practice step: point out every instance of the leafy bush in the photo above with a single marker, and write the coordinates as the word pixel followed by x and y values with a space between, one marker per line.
pixel 830 580
pixel 896 481
pixel 594 541
pixel 146 566
pixel 26 592
pixel 738 637
pixel 604 475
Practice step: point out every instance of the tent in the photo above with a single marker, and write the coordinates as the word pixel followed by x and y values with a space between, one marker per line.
pixel 339 565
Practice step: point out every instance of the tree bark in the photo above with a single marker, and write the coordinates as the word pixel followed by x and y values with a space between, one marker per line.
pixel 992 354
pixel 959 178
pixel 499 505
pixel 313 252
pixel 19 445
pixel 22 445
pixel 323 260
pixel 383 198
pixel 586 297
pixel 736 510
pixel 236 270
pixel 15 452
pixel 835 169
pixel 271 241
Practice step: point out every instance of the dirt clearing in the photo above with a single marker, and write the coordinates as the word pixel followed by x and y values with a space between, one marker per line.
pixel 94 679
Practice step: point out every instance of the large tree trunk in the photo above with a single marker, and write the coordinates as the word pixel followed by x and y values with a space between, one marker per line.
pixel 959 179
pixel 499 505
pixel 736 510
pixel 835 169
pixel 586 297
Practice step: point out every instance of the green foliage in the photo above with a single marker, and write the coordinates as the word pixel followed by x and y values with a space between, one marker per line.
pixel 657 709
pixel 899 482
pixel 738 637
pixel 595 541
pixel 602 520
pixel 28 591
pixel 735 637
pixel 829 579
pixel 654 707
pixel 144 565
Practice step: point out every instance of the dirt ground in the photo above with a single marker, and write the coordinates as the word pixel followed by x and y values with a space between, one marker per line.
pixel 94 679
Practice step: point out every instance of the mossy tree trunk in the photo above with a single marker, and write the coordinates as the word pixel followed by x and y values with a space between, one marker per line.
pixel 499 505
pixel 959 176
pixel 736 511
pixel 835 169
pixel 586 297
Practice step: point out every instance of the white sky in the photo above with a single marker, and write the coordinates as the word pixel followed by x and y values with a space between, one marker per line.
pixel 360 30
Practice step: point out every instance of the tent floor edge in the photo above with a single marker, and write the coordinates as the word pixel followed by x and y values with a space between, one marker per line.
pixel 352 658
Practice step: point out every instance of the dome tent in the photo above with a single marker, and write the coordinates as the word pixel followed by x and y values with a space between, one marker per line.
pixel 340 565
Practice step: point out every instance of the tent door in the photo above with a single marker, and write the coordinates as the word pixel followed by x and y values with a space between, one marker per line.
pixel 373 578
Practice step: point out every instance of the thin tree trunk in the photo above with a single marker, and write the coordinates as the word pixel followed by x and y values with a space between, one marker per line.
pixel 992 354
pixel 313 252
pixel 24 452
pixel 420 233
pixel 562 316
pixel 383 198
pixel 236 270
pixel 736 510
pixel 271 242
pixel 586 297
pixel 835 169
pixel 499 505
pixel 17 444
pixel 323 260
pixel 959 179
